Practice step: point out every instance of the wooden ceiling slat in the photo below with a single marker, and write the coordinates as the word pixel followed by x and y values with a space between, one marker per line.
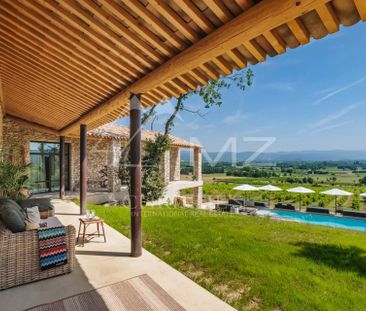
pixel 244 4
pixel 22 73
pixel 237 57
pixel 328 17
pixel 224 66
pixel 210 71
pixel 275 40
pixel 16 84
pixel 121 59
pixel 121 29
pixel 131 54
pixel 199 18
pixel 30 54
pixel 300 32
pixel 219 9
pixel 28 86
pixel 188 81
pixel 40 28
pixel 199 76
pixel 32 66
pixel 30 107
pixel 181 87
pixel 24 47
pixel 254 48
pixel 158 25
pixel 140 29
pixel 175 19
pixel 33 72
pixel 84 48
pixel 361 8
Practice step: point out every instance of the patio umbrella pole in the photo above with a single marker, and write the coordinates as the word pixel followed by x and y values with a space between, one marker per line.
pixel 135 185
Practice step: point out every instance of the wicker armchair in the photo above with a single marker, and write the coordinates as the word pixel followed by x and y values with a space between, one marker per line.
pixel 19 259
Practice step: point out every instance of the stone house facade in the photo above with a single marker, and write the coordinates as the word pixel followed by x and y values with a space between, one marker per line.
pixel 103 151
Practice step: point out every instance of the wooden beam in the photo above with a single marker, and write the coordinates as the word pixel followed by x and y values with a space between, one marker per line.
pixel 62 167
pixel 256 50
pixel 32 125
pixel 275 40
pixel 219 9
pixel 266 15
pixel 83 169
pixel 298 29
pixel 196 15
pixel 237 57
pixel 328 17
pixel 361 8
pixel 135 175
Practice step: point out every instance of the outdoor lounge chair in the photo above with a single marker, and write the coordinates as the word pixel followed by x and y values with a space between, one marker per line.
pixel 261 204
pixel 224 207
pixel 349 213
pixel 319 210
pixel 241 202
pixel 19 260
pixel 289 207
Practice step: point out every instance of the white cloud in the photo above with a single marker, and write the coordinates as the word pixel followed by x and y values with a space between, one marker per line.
pixel 331 127
pixel 339 90
pixel 235 117
pixel 334 116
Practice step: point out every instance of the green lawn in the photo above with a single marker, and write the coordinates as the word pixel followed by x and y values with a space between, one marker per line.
pixel 256 263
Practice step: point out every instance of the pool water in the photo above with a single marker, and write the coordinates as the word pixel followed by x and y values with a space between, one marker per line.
pixel 316 219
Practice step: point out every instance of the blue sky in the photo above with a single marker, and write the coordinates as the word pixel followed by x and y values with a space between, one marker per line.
pixel 310 98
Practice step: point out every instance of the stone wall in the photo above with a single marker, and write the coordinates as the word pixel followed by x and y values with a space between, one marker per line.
pixel 1 115
pixel 1 125
pixel 17 138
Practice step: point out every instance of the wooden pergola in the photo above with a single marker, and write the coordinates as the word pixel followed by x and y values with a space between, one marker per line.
pixel 71 65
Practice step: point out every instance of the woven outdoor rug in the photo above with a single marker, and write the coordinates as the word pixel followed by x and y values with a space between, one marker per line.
pixel 139 293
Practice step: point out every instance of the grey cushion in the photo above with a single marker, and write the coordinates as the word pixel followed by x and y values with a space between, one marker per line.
pixel 44 204
pixel 12 215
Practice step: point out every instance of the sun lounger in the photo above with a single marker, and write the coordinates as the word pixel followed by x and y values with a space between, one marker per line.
pixel 241 202
pixel 349 213
pixel 285 206
pixel 261 204
pixel 319 210
pixel 224 207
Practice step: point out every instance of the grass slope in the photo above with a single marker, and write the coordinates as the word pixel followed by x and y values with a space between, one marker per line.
pixel 256 263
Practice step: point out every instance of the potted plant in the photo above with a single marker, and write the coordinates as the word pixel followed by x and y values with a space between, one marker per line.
pixel 13 179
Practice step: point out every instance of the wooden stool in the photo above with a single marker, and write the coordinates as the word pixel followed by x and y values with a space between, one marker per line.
pixel 86 222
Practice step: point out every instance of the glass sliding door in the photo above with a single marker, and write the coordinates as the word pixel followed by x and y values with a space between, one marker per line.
pixel 45 167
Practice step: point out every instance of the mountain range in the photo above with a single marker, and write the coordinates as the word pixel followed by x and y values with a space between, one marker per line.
pixel 308 155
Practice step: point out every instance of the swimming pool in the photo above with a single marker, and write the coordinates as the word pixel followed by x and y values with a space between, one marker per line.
pixel 316 219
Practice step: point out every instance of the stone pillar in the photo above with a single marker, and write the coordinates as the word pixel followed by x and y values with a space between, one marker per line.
pixel 165 166
pixel 174 163
pixel 197 173
pixel 197 194
pixel 114 154
pixel 197 164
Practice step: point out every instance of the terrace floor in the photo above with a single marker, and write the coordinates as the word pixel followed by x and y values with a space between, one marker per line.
pixel 99 264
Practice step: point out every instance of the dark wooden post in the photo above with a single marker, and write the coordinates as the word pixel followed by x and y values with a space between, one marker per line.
pixel 135 191
pixel 83 168
pixel 62 167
